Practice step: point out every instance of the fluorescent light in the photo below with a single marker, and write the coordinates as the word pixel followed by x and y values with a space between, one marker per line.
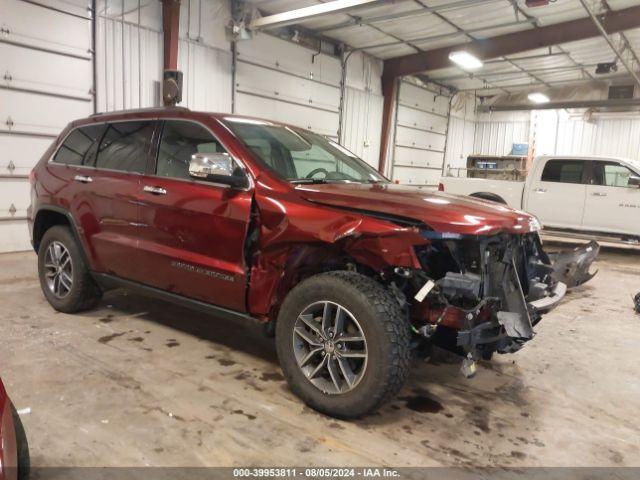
pixel 465 60
pixel 538 97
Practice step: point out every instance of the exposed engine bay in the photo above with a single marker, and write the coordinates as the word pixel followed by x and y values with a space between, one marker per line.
pixel 484 294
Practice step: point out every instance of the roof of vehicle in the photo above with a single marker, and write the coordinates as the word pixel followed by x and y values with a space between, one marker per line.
pixel 115 115
pixel 635 163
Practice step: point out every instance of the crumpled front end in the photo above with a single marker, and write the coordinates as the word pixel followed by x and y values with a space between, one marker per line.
pixel 479 295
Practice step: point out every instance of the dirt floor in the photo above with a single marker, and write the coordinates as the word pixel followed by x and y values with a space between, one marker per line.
pixel 139 382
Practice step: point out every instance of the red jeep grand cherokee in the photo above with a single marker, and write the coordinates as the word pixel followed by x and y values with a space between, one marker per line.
pixel 254 219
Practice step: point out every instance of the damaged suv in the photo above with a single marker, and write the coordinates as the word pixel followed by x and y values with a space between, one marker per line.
pixel 252 219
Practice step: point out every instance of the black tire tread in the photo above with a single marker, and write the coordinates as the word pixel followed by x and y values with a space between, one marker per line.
pixel 395 324
pixel 86 293
pixel 395 368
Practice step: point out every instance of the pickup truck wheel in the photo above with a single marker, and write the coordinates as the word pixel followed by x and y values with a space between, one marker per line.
pixel 64 276
pixel 343 343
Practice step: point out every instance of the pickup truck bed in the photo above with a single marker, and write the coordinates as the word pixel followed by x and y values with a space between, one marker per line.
pixel 590 196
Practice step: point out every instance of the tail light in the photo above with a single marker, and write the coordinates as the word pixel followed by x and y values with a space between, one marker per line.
pixel 441 187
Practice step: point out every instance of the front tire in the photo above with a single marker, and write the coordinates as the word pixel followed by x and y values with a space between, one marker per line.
pixel 64 276
pixel 343 343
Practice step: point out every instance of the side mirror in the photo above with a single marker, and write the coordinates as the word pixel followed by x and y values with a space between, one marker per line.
pixel 634 181
pixel 216 167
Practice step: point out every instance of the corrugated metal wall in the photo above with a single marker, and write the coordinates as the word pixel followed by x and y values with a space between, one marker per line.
pixel 128 58
pixel 600 136
pixel 461 131
pixel 497 132
pixel 362 107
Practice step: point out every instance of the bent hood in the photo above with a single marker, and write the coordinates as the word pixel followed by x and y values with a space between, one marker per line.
pixel 442 212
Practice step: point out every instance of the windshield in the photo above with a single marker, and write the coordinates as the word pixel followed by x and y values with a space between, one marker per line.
pixel 300 156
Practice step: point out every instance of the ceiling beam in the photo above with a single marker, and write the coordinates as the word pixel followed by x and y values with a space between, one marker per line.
pixel 616 103
pixel 512 43
pixel 308 13
pixel 605 35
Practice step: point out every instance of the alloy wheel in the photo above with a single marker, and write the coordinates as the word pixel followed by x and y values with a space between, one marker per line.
pixel 330 347
pixel 58 269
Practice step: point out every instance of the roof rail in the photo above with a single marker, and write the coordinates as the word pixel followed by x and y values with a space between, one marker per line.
pixel 139 110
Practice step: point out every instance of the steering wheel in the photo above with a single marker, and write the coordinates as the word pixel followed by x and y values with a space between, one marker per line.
pixel 317 170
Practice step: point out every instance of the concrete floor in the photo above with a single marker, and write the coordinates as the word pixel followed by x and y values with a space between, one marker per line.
pixel 139 382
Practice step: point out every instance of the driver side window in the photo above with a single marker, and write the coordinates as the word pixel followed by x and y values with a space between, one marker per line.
pixel 180 140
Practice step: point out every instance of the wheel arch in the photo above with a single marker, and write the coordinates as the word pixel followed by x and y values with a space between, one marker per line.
pixel 489 196
pixel 49 216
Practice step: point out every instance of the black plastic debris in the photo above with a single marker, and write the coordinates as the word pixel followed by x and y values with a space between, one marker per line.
pixel 636 301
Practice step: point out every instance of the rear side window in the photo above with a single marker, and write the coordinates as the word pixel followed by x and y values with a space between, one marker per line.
pixel 179 141
pixel 563 171
pixel 79 147
pixel 611 174
pixel 125 146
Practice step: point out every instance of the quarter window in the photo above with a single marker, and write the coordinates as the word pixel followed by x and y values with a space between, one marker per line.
pixel 79 147
pixel 563 171
pixel 125 146
pixel 179 141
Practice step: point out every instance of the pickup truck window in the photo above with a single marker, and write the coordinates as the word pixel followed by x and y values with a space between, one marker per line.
pixel 300 156
pixel 563 171
pixel 611 174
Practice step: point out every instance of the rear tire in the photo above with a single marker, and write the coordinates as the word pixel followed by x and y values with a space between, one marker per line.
pixel 365 373
pixel 64 276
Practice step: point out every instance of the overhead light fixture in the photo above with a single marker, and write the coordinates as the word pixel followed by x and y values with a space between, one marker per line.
pixel 538 97
pixel 465 60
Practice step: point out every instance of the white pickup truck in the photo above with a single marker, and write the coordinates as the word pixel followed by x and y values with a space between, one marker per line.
pixel 596 196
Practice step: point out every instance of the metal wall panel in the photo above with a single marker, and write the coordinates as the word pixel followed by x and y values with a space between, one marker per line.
pixel 46 58
pixel 207 78
pixel 287 82
pixel 497 138
pixel 602 136
pixel 460 140
pixel 362 124
pixel 129 64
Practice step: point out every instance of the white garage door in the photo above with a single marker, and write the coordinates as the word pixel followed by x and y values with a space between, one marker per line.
pixel 279 80
pixel 421 131
pixel 46 68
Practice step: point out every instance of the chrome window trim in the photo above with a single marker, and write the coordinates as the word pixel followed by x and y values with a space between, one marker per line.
pixel 241 164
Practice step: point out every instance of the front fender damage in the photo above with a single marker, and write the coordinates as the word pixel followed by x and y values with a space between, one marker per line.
pixel 301 241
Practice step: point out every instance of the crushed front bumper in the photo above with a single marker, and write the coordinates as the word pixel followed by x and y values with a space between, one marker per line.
pixel 528 284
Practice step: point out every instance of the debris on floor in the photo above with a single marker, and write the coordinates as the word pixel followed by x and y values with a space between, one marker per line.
pixel 636 301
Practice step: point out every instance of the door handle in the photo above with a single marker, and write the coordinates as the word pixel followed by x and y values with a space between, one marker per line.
pixel 540 190
pixel 154 190
pixel 83 179
pixel 599 194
